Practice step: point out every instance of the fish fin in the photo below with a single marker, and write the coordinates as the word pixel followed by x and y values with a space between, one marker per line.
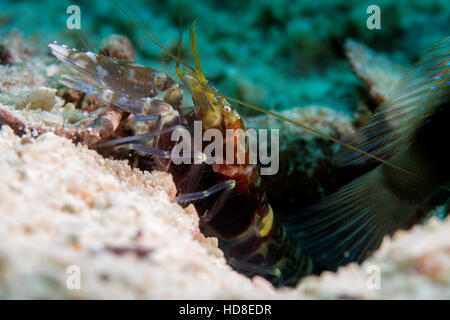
pixel 392 127
pixel 345 227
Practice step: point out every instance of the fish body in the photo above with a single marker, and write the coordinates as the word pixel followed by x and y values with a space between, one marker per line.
pixel 409 135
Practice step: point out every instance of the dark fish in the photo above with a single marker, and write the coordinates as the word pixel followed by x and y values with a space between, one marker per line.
pixel 409 135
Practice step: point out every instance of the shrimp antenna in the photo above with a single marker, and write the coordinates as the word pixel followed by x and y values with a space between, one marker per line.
pixel 153 37
pixel 199 73
pixel 84 40
pixel 324 135
pixel 198 67
pixel 180 41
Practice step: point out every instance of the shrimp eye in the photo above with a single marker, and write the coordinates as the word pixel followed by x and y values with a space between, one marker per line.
pixel 160 82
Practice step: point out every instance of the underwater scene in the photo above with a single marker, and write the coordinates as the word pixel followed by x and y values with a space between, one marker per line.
pixel 260 149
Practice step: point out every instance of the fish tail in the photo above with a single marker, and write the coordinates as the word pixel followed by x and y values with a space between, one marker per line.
pixel 416 96
pixel 349 224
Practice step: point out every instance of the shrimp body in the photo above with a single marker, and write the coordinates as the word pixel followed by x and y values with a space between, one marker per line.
pixel 229 197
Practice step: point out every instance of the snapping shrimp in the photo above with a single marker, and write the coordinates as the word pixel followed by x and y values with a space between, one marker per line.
pixel 229 197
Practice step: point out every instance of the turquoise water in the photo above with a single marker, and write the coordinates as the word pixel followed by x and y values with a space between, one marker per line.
pixel 276 54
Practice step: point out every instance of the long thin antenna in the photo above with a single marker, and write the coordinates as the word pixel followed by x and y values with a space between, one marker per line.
pixel 155 41
pixel 180 40
pixel 198 66
pixel 342 143
pixel 276 115
pixel 84 40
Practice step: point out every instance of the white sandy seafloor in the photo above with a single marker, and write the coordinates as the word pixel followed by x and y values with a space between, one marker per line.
pixel 66 211
pixel 63 205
